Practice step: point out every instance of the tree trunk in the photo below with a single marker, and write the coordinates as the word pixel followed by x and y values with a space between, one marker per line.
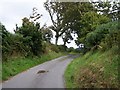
pixel 57 36
pixel 56 41
pixel 64 43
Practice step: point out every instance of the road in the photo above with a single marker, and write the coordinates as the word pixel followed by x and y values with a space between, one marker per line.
pixel 47 75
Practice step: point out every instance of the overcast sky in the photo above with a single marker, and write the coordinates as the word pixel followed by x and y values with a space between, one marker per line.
pixel 12 11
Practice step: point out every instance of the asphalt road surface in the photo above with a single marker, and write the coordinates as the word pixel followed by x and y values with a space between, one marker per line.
pixel 47 75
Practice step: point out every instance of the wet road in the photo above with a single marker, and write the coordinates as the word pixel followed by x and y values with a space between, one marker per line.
pixel 47 75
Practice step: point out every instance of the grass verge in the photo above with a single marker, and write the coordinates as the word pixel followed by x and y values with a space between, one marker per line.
pixel 94 70
pixel 17 65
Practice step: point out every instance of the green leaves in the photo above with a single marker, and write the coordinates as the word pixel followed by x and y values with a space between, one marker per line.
pixel 32 36
pixel 88 23
pixel 105 33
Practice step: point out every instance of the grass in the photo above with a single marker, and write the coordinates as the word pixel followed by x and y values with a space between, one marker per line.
pixel 19 64
pixel 0 69
pixel 93 70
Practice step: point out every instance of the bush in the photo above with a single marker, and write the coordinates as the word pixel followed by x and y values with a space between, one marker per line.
pixel 112 37
pixel 71 49
pixel 62 48
pixel 106 35
pixel 32 36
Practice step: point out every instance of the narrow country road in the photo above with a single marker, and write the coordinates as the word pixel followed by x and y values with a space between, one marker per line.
pixel 47 75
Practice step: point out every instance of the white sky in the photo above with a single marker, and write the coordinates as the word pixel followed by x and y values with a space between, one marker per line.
pixel 12 11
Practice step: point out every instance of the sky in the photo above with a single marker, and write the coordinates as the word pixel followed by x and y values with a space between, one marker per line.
pixel 12 11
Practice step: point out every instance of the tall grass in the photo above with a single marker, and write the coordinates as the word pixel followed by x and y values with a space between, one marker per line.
pixel 94 70
pixel 0 70
pixel 19 64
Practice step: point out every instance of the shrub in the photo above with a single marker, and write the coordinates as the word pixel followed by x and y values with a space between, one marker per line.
pixel 106 35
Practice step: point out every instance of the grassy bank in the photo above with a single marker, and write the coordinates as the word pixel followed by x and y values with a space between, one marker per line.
pixel 19 64
pixel 94 70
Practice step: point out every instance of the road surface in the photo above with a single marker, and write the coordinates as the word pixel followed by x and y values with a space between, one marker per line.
pixel 46 75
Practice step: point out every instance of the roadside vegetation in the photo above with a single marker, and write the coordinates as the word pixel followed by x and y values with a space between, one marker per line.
pixel 19 64
pixel 96 25
pixel 98 67
pixel 30 45
pixel 94 70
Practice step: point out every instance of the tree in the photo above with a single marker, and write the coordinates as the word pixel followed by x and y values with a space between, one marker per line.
pixel 31 32
pixel 32 36
pixel 4 44
pixel 73 14
pixel 46 33
pixel 11 43
pixel 54 9
pixel 108 8
pixel 67 36
pixel 90 20
pixel 62 16
pixel 50 7
pixel 105 35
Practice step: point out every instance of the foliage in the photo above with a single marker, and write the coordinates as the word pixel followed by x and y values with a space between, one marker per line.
pixel 64 17
pixel 108 8
pixel 71 49
pixel 94 70
pixel 67 37
pixel 89 22
pixel 88 32
pixel 32 36
pixel 112 38
pixel 96 25
pixel 7 40
pixel 47 34
pixel 53 9
pixel 105 33
pixel 27 40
